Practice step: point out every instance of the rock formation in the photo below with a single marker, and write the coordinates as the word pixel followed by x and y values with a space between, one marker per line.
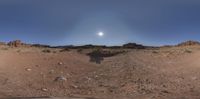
pixel 16 43
pixel 189 43
pixel 133 45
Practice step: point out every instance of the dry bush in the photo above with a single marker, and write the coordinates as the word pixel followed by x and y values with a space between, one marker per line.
pixel 4 48
pixel 155 52
pixel 188 51
pixel 46 51
pixel 64 50
pixel 79 50
pixel 19 51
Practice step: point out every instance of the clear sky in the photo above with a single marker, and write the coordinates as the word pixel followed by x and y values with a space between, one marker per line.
pixel 66 22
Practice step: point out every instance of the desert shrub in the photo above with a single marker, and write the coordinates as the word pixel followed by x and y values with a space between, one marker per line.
pixel 18 51
pixel 105 53
pixel 97 55
pixel 4 48
pixel 79 50
pixel 46 51
pixel 155 52
pixel 188 51
pixel 65 49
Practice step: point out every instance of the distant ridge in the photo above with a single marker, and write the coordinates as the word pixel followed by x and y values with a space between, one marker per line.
pixel 189 43
pixel 133 45
pixel 19 43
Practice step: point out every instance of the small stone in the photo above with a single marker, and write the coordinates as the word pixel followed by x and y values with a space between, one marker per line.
pixel 88 78
pixel 194 78
pixel 165 91
pixel 74 86
pixel 51 71
pixel 41 73
pixel 60 63
pixel 44 89
pixel 68 75
pixel 28 69
pixel 36 65
pixel 96 76
pixel 60 78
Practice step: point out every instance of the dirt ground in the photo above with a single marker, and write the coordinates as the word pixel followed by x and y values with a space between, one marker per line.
pixel 164 73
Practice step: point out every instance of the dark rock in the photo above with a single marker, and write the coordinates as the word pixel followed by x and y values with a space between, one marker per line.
pixel 40 45
pixel 189 43
pixel 16 43
pixel 133 45
pixel 60 78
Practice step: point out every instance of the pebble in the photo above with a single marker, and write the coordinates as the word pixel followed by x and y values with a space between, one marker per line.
pixel 51 71
pixel 194 78
pixel 60 78
pixel 28 69
pixel 60 63
pixel 44 89
pixel 74 86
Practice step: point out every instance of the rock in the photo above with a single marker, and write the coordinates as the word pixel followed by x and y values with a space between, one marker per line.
pixel 28 69
pixel 74 86
pixel 165 91
pixel 88 78
pixel 16 43
pixel 60 63
pixel 44 89
pixel 51 71
pixel 36 65
pixel 189 43
pixel 60 78
pixel 40 45
pixel 194 78
pixel 133 45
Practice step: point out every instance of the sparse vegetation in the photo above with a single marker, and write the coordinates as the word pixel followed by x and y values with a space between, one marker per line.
pixel 64 50
pixel 46 51
pixel 4 48
pixel 18 50
pixel 98 54
pixel 79 50
pixel 155 52
pixel 188 51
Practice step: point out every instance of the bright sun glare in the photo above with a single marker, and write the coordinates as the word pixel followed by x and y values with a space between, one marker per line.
pixel 100 34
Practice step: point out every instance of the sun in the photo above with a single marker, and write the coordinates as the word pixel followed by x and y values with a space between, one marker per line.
pixel 100 34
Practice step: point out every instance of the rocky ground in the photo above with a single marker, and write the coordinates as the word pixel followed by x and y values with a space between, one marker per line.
pixel 154 73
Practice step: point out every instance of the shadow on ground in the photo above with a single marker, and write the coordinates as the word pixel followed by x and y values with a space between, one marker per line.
pixel 98 55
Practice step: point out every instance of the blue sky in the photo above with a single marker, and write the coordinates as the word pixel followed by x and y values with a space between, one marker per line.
pixel 66 22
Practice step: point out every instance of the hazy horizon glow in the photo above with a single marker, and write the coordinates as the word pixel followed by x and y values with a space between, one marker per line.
pixel 70 22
